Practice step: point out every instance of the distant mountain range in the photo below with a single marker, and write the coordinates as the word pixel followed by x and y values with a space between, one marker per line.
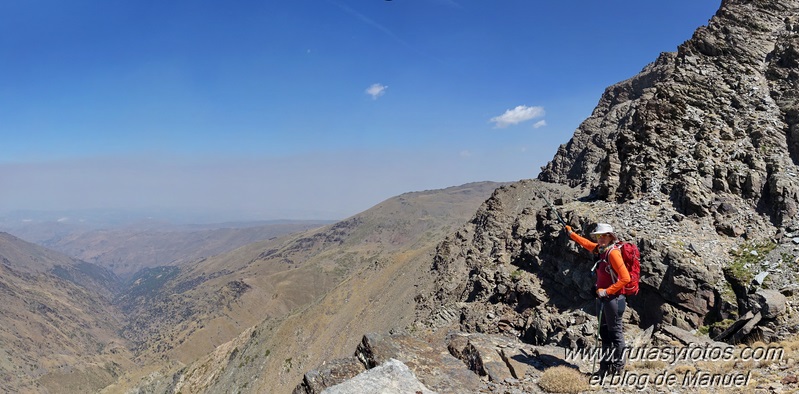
pixel 128 245
pixel 117 314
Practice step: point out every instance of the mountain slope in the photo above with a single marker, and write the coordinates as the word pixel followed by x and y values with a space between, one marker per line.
pixel 58 329
pixel 693 159
pixel 309 294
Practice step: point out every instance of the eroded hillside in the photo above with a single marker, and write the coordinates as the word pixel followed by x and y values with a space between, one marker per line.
pixel 258 317
pixel 58 327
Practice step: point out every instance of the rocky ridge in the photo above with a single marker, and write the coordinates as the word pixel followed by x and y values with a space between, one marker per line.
pixel 695 160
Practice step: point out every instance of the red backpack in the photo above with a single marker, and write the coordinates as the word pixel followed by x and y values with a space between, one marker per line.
pixel 632 260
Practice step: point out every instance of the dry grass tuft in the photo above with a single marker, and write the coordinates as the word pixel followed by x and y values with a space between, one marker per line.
pixel 717 367
pixel 650 364
pixel 758 344
pixel 791 345
pixel 563 379
pixel 682 369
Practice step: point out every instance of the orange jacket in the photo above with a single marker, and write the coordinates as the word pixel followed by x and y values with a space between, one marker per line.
pixel 615 260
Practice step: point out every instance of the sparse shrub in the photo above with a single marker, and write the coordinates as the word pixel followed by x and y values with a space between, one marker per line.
pixel 746 365
pixel 723 325
pixel 651 364
pixel 562 379
pixel 683 369
pixel 791 346
pixel 745 257
pixel 717 367
pixel 759 343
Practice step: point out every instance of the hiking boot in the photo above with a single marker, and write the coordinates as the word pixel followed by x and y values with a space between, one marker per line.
pixel 603 370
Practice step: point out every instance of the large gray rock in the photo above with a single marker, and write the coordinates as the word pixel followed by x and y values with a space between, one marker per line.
pixel 430 362
pixel 391 377
pixel 770 303
pixel 330 374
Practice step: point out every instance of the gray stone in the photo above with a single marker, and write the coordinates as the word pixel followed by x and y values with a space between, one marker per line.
pixel 759 278
pixel 771 303
pixel 747 328
pixel 735 326
pixel 391 377
pixel 330 374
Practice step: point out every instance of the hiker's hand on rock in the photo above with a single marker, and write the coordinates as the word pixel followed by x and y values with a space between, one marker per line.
pixel 568 229
pixel 602 293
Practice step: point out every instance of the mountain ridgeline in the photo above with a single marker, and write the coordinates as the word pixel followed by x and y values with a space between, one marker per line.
pixel 470 289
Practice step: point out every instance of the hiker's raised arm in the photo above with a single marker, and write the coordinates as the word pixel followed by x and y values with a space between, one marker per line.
pixel 585 243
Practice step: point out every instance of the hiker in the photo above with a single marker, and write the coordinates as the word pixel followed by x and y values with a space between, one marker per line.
pixel 611 277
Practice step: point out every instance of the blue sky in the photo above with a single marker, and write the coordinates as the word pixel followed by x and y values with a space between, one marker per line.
pixel 306 109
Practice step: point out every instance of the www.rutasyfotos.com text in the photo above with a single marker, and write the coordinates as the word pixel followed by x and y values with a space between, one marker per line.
pixel 674 355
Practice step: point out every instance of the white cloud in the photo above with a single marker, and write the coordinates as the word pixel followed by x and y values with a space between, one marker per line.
pixel 376 90
pixel 521 113
pixel 465 153
pixel 540 123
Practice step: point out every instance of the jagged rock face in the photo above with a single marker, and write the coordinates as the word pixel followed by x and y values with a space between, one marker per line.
pixel 513 270
pixel 715 123
pixel 690 159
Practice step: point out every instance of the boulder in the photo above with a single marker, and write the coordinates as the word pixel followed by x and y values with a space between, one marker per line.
pixel 391 377
pixel 770 303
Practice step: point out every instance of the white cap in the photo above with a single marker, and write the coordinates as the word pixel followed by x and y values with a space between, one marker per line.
pixel 602 228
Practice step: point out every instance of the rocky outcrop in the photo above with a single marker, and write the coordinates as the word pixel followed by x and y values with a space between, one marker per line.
pixel 696 160
pixel 458 362
pixel 481 363
pixel 431 363
pixel 712 126
pixel 392 377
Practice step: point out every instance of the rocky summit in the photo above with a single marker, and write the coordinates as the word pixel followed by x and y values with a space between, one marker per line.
pixel 696 160
pixel 712 128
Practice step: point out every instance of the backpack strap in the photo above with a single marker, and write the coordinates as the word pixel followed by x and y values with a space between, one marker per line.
pixel 606 257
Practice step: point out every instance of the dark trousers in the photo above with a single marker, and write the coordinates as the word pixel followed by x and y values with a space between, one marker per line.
pixel 611 331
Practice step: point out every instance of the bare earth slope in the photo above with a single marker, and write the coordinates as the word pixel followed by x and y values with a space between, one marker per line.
pixel 297 300
pixel 58 329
